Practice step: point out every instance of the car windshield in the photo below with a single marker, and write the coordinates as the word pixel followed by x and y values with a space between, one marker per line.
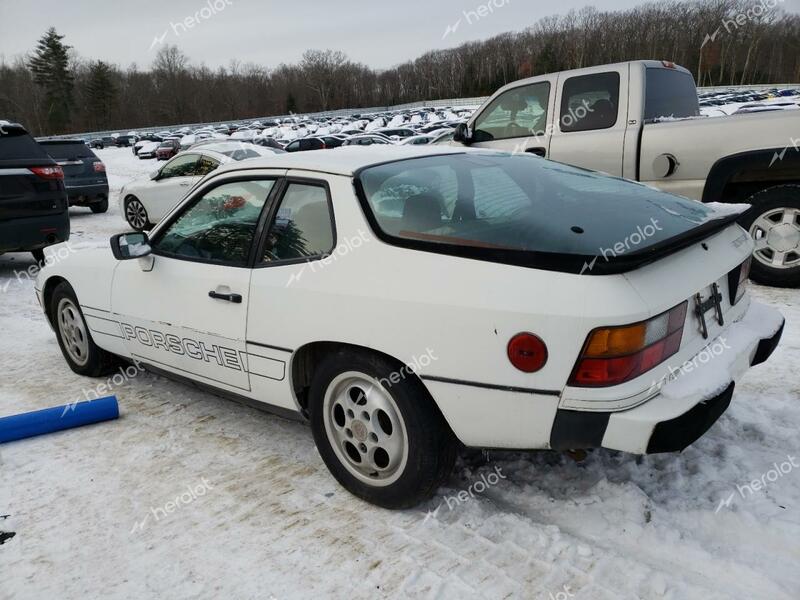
pixel 504 202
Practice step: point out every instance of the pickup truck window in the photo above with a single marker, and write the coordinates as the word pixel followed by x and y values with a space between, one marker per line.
pixel 670 94
pixel 589 102
pixel 519 112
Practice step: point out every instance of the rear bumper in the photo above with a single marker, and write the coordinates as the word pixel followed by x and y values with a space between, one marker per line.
pixel 32 233
pixel 87 194
pixel 685 408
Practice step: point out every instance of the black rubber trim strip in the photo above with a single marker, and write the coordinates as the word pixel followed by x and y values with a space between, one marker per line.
pixel 576 429
pixel 93 308
pixel 767 346
pixel 260 345
pixel 492 386
pixel 678 433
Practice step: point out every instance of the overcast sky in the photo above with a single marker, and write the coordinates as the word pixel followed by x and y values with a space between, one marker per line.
pixel 269 32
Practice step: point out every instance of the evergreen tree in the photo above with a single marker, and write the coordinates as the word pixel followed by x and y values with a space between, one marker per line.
pixel 101 94
pixel 50 67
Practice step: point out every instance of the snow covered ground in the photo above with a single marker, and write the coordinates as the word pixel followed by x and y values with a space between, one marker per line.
pixel 191 496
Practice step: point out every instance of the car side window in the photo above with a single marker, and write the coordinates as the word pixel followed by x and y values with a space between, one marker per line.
pixel 519 112
pixel 293 147
pixel 589 102
pixel 302 226
pixel 180 166
pixel 219 226
pixel 205 165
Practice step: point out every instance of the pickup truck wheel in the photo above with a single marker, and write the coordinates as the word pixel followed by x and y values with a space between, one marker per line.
pixel 384 442
pixel 83 356
pixel 774 223
pixel 136 214
pixel 99 207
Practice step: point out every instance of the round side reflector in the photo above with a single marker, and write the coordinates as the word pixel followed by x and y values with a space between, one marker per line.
pixel 527 352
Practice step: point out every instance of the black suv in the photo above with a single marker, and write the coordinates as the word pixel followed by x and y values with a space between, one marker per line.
pixel 84 174
pixel 33 202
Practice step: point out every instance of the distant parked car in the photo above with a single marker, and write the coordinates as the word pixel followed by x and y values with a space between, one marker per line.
pixel 301 145
pixel 124 141
pixel 85 177
pixel 333 141
pixel 168 148
pixel 103 142
pixel 365 140
pixel 33 202
pixel 417 140
pixel 148 150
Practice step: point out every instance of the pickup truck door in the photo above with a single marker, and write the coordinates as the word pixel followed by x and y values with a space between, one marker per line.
pixel 517 119
pixel 184 308
pixel 592 118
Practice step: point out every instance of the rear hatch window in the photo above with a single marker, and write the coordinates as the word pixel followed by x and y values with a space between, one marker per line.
pixel 69 150
pixel 520 209
pixel 18 148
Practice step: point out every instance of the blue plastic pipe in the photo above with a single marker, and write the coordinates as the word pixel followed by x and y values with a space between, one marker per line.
pixel 17 427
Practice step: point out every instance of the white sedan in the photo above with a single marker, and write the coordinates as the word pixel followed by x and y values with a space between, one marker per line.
pixel 407 299
pixel 145 202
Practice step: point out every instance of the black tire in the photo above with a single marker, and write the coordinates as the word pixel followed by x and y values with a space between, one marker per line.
pixel 92 361
pixel 38 256
pixel 766 210
pixel 431 446
pixel 99 207
pixel 130 218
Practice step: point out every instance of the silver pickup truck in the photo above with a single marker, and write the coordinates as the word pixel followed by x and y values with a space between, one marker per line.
pixel 641 120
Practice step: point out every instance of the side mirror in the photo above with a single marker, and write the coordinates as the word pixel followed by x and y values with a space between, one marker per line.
pixel 154 174
pixel 463 134
pixel 127 246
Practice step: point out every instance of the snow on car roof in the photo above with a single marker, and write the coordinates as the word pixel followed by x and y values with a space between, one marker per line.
pixel 345 160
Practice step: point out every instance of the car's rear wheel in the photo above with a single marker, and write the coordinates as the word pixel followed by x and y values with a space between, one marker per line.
pixel 38 256
pixel 384 442
pixel 774 223
pixel 83 356
pixel 136 214
pixel 99 207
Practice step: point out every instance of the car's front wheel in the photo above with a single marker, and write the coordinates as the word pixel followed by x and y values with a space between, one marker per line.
pixel 136 214
pixel 83 356
pixel 384 441
pixel 774 223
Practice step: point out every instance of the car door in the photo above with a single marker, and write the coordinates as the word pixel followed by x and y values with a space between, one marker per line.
pixel 184 308
pixel 592 121
pixel 517 119
pixel 170 185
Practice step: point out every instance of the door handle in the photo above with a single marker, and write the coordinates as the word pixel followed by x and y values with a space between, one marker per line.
pixel 537 151
pixel 235 298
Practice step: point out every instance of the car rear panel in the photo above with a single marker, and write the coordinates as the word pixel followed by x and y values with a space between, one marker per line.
pixel 77 161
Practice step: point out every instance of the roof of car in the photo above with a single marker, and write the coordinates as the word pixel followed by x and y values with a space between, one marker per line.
pixel 346 160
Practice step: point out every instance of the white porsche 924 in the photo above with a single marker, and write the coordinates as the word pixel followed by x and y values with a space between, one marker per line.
pixel 404 300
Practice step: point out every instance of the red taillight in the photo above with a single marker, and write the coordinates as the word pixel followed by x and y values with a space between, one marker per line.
pixel 614 355
pixel 527 352
pixel 48 172
pixel 668 63
pixel 99 167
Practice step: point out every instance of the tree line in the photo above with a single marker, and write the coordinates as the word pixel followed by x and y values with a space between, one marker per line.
pixel 52 90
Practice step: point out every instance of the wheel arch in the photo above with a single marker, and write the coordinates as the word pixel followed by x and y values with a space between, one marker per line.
pixel 308 357
pixel 47 294
pixel 737 177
